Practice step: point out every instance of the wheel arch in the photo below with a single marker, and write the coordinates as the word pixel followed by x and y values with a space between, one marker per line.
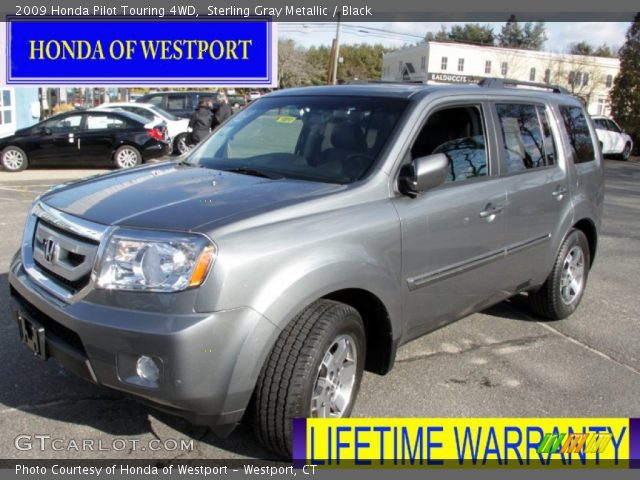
pixel 377 324
pixel 590 231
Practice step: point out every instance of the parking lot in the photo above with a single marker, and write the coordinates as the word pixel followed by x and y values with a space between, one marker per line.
pixel 502 362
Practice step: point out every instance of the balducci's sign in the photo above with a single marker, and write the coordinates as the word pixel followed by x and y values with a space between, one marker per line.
pixel 452 78
pixel 222 52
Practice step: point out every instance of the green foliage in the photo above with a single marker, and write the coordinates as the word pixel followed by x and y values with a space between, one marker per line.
pixel 585 48
pixel 473 33
pixel 531 36
pixel 299 66
pixel 625 95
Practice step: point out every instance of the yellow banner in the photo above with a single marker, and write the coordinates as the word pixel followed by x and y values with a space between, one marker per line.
pixel 463 442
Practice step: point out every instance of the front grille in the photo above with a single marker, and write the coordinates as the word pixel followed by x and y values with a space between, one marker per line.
pixel 51 327
pixel 72 286
pixel 64 257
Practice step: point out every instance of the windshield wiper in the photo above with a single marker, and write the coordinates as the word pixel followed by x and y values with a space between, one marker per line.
pixel 253 171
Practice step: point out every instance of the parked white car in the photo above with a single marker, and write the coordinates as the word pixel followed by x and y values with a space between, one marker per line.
pixel 177 127
pixel 613 140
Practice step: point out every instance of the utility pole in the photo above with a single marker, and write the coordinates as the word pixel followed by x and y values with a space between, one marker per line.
pixel 336 54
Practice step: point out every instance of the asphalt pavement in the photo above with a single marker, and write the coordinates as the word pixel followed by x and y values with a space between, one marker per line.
pixel 502 362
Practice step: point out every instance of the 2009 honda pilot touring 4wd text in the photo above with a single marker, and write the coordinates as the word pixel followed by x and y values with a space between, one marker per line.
pixel 305 240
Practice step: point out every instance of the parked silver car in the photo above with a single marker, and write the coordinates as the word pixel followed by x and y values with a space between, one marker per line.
pixel 307 239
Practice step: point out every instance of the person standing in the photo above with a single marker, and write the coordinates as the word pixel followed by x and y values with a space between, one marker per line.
pixel 200 122
pixel 222 112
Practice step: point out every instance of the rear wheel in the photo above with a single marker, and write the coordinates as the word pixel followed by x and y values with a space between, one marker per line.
pixel 14 159
pixel 127 157
pixel 181 144
pixel 314 370
pixel 560 295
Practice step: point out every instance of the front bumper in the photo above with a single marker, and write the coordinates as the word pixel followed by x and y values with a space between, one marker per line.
pixel 209 362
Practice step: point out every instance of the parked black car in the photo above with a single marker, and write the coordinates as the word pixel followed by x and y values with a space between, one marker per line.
pixel 72 139
pixel 181 104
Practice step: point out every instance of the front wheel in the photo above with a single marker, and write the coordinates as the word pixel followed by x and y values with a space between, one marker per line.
pixel 127 157
pixel 626 153
pixel 14 159
pixel 314 370
pixel 560 295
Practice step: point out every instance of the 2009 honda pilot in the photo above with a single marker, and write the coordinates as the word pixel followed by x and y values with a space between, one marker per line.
pixel 305 240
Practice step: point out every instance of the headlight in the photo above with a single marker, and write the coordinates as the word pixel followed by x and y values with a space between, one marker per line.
pixel 155 262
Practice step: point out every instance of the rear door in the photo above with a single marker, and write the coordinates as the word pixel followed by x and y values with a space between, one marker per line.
pixel 537 185
pixel 180 104
pixel 99 137
pixel 453 235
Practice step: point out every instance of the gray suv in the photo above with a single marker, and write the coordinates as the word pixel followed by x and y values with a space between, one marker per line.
pixel 307 239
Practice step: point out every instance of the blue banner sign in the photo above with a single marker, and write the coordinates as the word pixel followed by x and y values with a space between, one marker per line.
pixel 229 52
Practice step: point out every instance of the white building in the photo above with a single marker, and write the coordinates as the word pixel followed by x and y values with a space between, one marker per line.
pixel 590 78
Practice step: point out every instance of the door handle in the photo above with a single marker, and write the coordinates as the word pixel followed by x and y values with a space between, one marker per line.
pixel 491 210
pixel 559 192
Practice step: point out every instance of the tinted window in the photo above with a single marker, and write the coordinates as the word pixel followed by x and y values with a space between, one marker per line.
pixel 457 132
pixel 65 124
pixel 601 123
pixel 326 139
pixel 523 138
pixel 155 100
pixel 178 102
pixel 579 135
pixel 612 126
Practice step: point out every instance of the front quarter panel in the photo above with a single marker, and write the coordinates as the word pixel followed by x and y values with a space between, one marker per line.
pixel 279 268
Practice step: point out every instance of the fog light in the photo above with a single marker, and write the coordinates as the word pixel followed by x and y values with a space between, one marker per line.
pixel 147 369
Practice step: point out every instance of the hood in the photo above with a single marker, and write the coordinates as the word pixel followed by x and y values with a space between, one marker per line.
pixel 172 196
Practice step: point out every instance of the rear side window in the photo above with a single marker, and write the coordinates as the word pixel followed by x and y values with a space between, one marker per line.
pixel 179 102
pixel 527 139
pixel 579 134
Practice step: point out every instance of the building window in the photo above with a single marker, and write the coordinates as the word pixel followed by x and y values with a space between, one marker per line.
pixel 532 75
pixel 504 68
pixel 585 79
pixel 443 64
pixel 461 64
pixel 577 79
pixel 6 110
pixel 572 77
pixel 487 66
pixel 601 106
pixel 547 75
pixel 609 81
pixel 423 63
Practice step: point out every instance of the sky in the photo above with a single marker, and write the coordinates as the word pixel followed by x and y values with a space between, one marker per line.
pixel 559 34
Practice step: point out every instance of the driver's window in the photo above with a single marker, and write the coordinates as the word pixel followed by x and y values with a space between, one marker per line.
pixel 276 131
pixel 458 133
pixel 63 125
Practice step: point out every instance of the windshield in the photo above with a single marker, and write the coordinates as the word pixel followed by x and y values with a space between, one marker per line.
pixel 326 139
pixel 163 113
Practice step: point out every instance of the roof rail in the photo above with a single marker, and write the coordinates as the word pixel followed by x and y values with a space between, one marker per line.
pixel 397 82
pixel 494 82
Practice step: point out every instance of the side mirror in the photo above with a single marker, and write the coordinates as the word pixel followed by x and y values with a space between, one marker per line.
pixel 423 173
pixel 45 131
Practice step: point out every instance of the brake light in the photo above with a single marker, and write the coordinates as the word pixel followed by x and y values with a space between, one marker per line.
pixel 156 133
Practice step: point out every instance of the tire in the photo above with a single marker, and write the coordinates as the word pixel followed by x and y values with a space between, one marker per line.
pixel 127 156
pixel 559 296
pixel 626 153
pixel 181 144
pixel 14 159
pixel 303 357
